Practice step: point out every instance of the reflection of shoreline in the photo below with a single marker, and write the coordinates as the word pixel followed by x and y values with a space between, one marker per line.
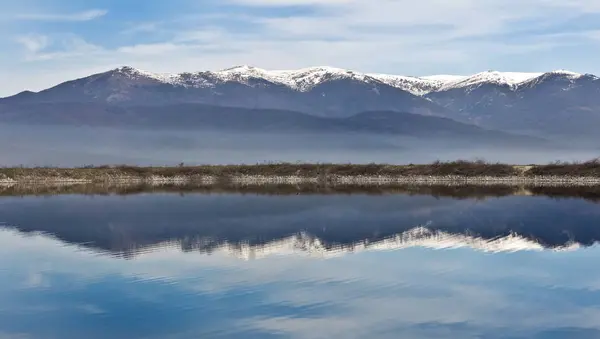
pixel 449 189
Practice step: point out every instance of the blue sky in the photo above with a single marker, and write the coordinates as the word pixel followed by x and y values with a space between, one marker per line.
pixel 45 42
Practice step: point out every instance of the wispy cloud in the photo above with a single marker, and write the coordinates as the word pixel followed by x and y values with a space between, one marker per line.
pixel 150 49
pixel 78 16
pixel 143 27
pixel 33 43
pixel 42 48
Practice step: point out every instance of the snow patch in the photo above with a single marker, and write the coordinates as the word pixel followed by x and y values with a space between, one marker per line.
pixel 305 79
pixel 414 85
pixel 569 74
pixel 510 79
pixel 445 78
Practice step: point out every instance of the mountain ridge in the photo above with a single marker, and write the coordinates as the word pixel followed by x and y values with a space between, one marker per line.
pixel 304 79
pixel 553 103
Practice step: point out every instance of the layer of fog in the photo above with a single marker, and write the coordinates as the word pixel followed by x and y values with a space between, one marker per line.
pixel 77 146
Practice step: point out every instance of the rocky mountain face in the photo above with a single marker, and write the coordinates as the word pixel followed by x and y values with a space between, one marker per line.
pixel 542 104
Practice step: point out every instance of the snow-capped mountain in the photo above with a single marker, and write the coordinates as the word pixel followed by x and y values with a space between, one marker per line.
pixel 321 91
pixel 305 79
pixel 414 85
pixel 555 102
pixel 302 80
pixel 509 79
pixel 439 83
pixel 567 77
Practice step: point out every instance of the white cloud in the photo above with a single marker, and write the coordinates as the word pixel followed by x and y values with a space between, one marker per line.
pixel 79 16
pixel 66 47
pixel 33 42
pixel 149 49
pixel 144 27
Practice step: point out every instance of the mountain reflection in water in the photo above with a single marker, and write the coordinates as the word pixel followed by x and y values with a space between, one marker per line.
pixel 291 218
pixel 402 262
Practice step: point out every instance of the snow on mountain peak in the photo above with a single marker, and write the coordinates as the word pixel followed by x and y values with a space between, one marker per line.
pixel 444 78
pixel 132 72
pixel 561 74
pixel 565 72
pixel 305 79
pixel 243 70
pixel 414 85
pixel 510 79
pixel 302 79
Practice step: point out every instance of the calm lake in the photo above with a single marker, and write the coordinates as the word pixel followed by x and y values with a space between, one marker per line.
pixel 426 264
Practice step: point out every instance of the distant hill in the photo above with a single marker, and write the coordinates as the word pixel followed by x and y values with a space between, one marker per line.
pixel 215 118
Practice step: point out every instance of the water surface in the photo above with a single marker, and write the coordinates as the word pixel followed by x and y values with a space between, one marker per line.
pixel 233 265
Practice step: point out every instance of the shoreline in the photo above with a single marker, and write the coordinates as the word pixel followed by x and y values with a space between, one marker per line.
pixel 330 181
pixel 451 173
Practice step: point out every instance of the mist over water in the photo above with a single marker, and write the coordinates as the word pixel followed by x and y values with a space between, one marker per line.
pixel 77 146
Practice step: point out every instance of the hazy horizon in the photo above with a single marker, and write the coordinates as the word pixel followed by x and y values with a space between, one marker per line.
pixel 78 146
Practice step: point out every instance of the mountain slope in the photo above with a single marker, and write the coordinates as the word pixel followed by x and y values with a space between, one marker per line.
pixel 553 103
pixel 215 118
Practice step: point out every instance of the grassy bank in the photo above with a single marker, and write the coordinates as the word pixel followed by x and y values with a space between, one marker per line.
pixel 470 171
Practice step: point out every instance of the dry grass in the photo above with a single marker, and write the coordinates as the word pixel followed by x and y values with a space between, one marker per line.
pixel 590 168
pixel 456 168
pixel 459 168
